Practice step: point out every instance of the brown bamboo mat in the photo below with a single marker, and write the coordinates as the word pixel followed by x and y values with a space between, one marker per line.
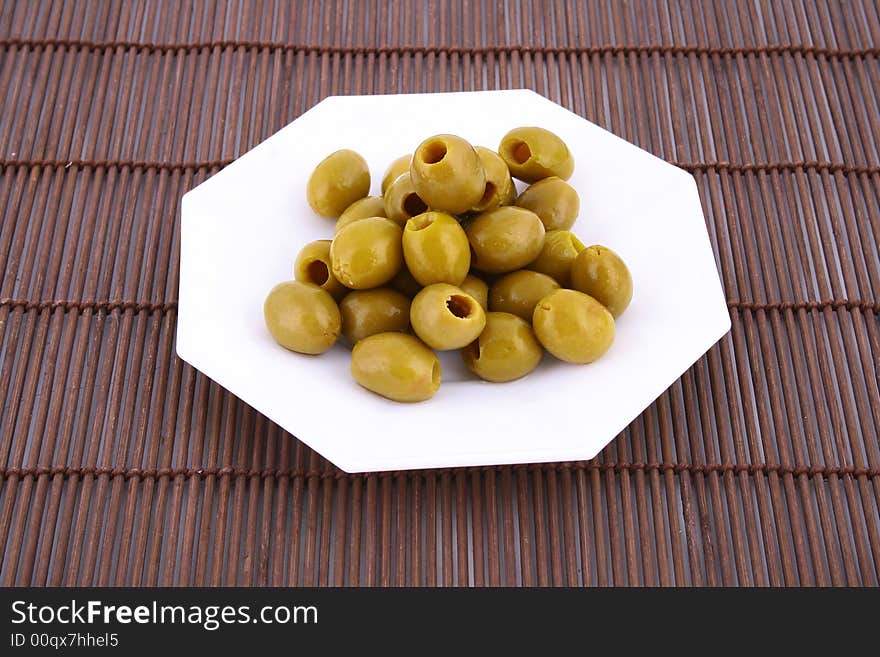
pixel 121 465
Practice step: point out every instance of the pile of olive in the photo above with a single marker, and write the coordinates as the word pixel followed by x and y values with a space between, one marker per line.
pixel 450 257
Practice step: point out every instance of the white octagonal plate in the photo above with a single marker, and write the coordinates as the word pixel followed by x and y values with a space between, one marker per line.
pixel 242 229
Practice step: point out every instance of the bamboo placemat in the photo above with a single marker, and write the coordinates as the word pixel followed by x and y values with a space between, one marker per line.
pixel 121 465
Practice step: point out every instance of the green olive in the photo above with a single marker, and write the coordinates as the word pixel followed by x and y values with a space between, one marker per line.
pixel 339 180
pixel 397 366
pixel 478 289
pixel 313 266
pixel 404 283
pixel 302 317
pixel 401 201
pixel 553 200
pixel 369 206
pixel 506 349
pixel 573 326
pixel 445 317
pixel 505 239
pixel 519 292
pixel 601 273
pixel 534 153
pixel 499 188
pixel 367 253
pixel 367 312
pixel 436 249
pixel 394 170
pixel 447 173
pixel 560 250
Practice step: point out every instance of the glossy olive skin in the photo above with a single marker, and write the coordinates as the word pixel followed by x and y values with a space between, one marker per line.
pixel 397 366
pixel 401 200
pixel 601 273
pixel 436 249
pixel 519 292
pixel 313 266
pixel 445 317
pixel 553 200
pixel 369 206
pixel 302 317
pixel 367 253
pixel 561 247
pixel 499 188
pixel 404 283
pixel 506 350
pixel 394 170
pixel 478 289
pixel 573 326
pixel 367 312
pixel 447 173
pixel 534 153
pixel 339 180
pixel 505 239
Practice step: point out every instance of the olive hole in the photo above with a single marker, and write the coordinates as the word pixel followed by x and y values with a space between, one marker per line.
pixel 317 272
pixel 521 152
pixel 413 205
pixel 420 222
pixel 435 374
pixel 459 306
pixel 433 152
pixel 488 193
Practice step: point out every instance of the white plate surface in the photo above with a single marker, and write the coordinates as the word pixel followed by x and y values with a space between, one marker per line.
pixel 242 229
